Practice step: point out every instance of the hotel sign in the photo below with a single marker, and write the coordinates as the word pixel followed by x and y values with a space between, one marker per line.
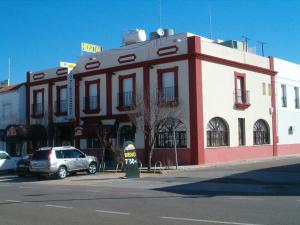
pixel 86 47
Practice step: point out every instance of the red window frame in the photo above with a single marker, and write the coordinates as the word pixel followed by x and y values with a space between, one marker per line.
pixel 160 73
pixel 87 84
pixel 244 104
pixel 58 110
pixel 121 78
pixel 35 93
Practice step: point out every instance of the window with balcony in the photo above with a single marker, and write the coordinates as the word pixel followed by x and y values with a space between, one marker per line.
pixel 126 95
pixel 283 96
pixel 296 97
pixel 61 103
pixel 92 97
pixel 38 103
pixel 168 87
pixel 242 96
pixel 217 132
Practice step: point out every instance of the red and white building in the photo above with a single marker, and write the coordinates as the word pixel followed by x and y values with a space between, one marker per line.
pixel 227 114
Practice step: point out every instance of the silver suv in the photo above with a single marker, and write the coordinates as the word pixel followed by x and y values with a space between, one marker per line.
pixel 61 161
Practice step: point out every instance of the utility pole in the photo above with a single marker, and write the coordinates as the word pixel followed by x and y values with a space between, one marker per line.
pixel 262 47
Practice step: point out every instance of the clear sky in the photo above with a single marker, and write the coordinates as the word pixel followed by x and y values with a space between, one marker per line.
pixel 38 34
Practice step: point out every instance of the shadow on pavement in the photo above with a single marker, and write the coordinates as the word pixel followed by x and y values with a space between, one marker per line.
pixel 274 181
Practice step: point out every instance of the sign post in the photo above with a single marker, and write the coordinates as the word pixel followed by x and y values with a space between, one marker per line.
pixel 131 162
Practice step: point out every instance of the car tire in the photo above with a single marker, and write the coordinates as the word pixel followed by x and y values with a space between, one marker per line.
pixel 92 169
pixel 62 172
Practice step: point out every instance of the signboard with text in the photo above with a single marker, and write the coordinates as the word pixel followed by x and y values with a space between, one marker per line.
pixel 86 47
pixel 131 162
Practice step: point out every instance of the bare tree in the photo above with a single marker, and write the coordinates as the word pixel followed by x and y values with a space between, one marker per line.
pixel 151 113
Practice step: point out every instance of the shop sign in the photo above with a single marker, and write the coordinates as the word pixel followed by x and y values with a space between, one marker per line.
pixel 86 47
pixel 131 162
pixel 78 131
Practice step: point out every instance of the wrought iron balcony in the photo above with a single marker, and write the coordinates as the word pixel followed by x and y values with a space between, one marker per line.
pixel 37 110
pixel 242 98
pixel 91 103
pixel 126 100
pixel 61 106
pixel 167 96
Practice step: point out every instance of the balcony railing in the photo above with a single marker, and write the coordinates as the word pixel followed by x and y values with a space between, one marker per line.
pixel 37 109
pixel 61 106
pixel 91 103
pixel 126 99
pixel 242 98
pixel 167 95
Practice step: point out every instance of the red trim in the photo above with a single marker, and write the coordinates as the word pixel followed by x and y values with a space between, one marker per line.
pixel 127 58
pixel 243 104
pixel 121 78
pixel 160 73
pixel 167 50
pixel 96 119
pixel 92 65
pixel 77 100
pixel 87 84
pixel 27 98
pixel 35 92
pixel 273 102
pixel 38 76
pixel 196 102
pixel 62 71
pixel 58 111
pixel 109 93
pixel 52 80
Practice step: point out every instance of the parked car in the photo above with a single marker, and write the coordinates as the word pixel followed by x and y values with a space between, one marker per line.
pixel 61 161
pixel 22 168
pixel 7 163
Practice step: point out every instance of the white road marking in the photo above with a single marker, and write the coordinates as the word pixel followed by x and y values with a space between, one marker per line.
pixel 207 221
pixel 243 198
pixel 59 206
pixel 22 187
pixel 113 212
pixel 15 201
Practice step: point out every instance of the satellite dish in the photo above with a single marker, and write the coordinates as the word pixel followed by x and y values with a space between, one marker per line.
pixel 160 32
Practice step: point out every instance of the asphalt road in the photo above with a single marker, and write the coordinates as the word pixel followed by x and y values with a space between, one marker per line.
pixel 259 193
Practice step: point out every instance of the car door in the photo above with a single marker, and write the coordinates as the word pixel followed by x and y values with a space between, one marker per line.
pixel 69 160
pixel 6 162
pixel 79 159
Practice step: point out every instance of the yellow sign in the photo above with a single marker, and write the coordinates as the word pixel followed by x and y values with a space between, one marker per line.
pixel 86 47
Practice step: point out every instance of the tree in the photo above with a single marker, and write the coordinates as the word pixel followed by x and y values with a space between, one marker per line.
pixel 152 112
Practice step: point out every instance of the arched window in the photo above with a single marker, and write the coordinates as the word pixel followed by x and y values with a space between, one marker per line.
pixel 127 133
pixel 165 134
pixel 261 132
pixel 217 132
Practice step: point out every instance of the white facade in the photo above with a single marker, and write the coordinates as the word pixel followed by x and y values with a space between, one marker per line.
pixel 288 112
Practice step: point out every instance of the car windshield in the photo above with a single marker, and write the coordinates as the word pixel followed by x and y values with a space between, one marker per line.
pixel 41 155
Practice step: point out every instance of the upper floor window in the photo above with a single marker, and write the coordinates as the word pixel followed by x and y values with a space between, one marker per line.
pixel 92 96
pixel 168 86
pixel 61 103
pixel 261 132
pixel 38 103
pixel 242 96
pixel 296 97
pixel 126 95
pixel 283 96
pixel 217 132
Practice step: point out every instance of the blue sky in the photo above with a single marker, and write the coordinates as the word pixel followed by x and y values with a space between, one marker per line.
pixel 37 34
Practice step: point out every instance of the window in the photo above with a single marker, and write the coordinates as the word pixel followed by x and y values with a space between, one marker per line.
pixel 242 96
pixel 290 131
pixel 264 88
pixel 165 134
pixel 93 143
pixel 126 95
pixel 168 86
pixel 269 89
pixel 38 103
pixel 92 96
pixel 261 132
pixel 296 97
pixel 242 138
pixel 217 132
pixel 127 133
pixel 61 96
pixel 283 96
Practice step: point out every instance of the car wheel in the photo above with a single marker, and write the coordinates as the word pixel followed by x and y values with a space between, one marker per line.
pixel 62 172
pixel 92 168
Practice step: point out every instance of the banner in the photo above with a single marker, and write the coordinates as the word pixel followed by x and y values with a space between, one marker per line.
pixel 86 47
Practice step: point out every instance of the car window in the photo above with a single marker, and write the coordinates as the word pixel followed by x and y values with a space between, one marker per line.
pixel 59 154
pixel 41 155
pixel 68 154
pixel 4 156
pixel 77 154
